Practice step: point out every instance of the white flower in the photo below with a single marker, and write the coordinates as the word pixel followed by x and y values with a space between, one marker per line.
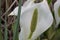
pixel 44 19
pixel 57 12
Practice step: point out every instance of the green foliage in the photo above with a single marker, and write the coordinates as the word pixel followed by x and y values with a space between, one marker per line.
pixel 49 1
pixel 1 37
pixel 6 30
pixel 38 38
pixel 57 35
pixel 14 28
pixel 50 32
pixel 59 11
pixel 33 22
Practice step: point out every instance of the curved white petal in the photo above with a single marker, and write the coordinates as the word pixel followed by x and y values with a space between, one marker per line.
pixel 14 12
pixel 58 0
pixel 45 20
pixel 56 6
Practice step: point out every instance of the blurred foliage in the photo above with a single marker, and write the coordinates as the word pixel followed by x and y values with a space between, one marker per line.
pixel 57 35
pixel 49 1
pixel 16 33
pixel 1 37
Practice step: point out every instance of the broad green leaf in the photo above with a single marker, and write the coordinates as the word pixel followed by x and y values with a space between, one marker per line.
pixel 33 22
pixel 59 11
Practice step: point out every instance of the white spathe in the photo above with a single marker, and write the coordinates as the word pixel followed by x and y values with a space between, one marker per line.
pixel 56 6
pixel 45 19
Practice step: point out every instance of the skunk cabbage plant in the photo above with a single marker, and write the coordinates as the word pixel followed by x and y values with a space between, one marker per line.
pixel 35 19
pixel 57 12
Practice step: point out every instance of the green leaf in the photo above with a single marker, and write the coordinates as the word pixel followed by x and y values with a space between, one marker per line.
pixel 57 35
pixel 6 33
pixel 16 33
pixel 49 1
pixel 33 22
pixel 59 11
pixel 38 38
pixel 14 26
pixel 14 30
pixel 50 32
